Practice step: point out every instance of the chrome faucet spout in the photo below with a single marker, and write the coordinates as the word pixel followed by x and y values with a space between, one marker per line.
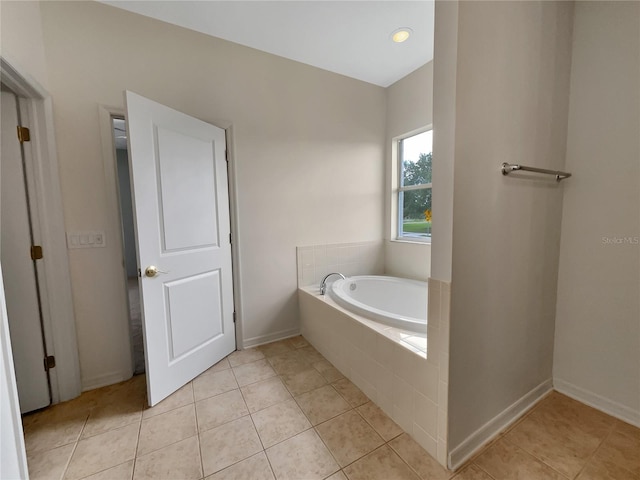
pixel 323 284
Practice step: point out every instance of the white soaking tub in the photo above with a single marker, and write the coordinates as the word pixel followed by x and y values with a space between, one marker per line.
pixel 397 302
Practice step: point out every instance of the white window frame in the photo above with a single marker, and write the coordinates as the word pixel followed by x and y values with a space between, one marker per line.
pixel 398 190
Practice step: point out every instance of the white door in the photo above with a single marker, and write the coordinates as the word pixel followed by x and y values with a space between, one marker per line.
pixel 23 303
pixel 181 209
pixel 13 457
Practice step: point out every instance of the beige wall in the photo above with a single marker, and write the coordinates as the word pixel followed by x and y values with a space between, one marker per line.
pixel 513 63
pixel 409 107
pixel 308 148
pixel 597 345
pixel 21 42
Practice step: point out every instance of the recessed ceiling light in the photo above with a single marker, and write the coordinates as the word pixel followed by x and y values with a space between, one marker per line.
pixel 401 34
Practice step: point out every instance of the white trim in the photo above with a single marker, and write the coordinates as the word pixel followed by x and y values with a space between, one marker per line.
pixel 413 240
pixel 418 186
pixel 103 380
pixel 493 427
pixel 396 189
pixel 60 332
pixel 115 225
pixel 272 337
pixel 34 194
pixel 413 133
pixel 234 216
pixel 20 82
pixel 598 402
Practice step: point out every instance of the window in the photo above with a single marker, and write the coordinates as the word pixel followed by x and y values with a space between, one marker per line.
pixel 414 187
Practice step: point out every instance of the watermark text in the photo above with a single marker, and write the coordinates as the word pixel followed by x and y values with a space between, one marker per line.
pixel 615 240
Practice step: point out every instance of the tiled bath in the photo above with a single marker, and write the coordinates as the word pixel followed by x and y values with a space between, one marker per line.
pixel 402 377
pixel 316 261
pixel 405 374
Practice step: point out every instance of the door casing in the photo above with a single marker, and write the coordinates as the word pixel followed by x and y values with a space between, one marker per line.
pixel 106 112
pixel 49 231
pixel 23 292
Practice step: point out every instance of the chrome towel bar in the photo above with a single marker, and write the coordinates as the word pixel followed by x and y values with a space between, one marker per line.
pixel 507 168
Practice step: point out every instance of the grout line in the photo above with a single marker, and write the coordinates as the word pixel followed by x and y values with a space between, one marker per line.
pixel 388 444
pixel 273 472
pixel 586 462
pixel 66 467
pixel 315 430
pixel 225 423
pixel 479 467
pixel 604 439
pixel 75 446
pixel 108 468
pixel 135 454
pixel 250 414
pixel 535 458
pixel 279 376
pixel 200 450
pixel 324 421
pixel 256 430
pixel 195 412
pixel 144 407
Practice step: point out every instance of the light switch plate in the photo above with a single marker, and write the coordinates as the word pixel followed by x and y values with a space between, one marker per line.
pixel 86 240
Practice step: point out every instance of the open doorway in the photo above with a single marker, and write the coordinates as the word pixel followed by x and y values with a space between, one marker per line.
pixel 128 241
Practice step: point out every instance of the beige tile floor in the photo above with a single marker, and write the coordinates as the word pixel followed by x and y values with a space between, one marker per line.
pixel 282 411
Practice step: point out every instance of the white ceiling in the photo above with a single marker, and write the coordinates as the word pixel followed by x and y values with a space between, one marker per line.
pixel 347 37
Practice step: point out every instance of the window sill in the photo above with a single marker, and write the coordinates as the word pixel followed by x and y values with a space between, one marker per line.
pixel 412 240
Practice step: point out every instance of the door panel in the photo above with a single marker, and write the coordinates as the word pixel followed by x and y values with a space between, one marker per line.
pixel 200 227
pixel 181 209
pixel 20 279
pixel 188 330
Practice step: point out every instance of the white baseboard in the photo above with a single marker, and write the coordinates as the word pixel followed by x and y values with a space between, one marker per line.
pixel 104 380
pixel 493 427
pixel 272 337
pixel 598 402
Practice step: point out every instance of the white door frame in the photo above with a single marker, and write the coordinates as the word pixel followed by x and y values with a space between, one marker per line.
pixel 235 232
pixel 105 113
pixel 112 188
pixel 49 229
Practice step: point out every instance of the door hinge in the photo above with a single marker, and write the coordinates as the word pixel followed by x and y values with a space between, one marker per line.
pixel 234 317
pixel 36 252
pixel 23 134
pixel 49 362
pixel 230 238
pixel 226 155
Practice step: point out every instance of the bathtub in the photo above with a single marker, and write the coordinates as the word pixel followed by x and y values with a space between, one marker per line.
pixel 396 302
pixel 396 368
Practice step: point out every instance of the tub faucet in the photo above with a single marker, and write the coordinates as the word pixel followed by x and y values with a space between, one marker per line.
pixel 323 284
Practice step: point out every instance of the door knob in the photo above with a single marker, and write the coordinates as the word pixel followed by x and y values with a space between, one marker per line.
pixel 152 271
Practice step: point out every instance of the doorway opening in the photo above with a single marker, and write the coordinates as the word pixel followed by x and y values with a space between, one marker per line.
pixel 130 260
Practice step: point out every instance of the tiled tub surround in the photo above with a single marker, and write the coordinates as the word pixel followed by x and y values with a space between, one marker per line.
pixel 316 261
pixel 412 341
pixel 393 368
